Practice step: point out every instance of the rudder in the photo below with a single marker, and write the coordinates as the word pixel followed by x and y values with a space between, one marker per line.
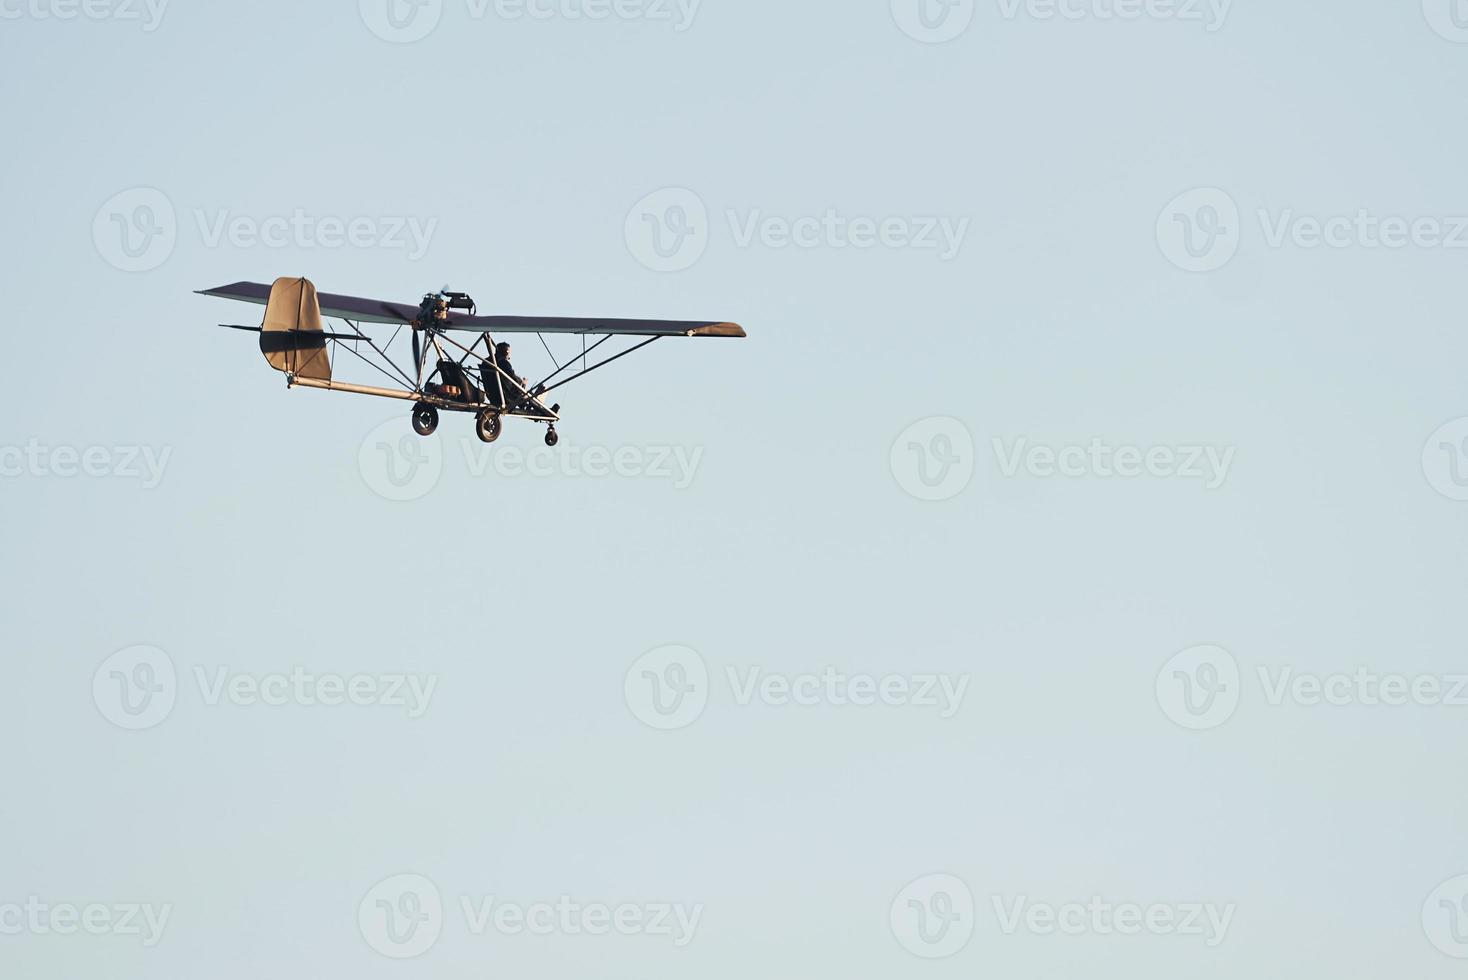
pixel 291 338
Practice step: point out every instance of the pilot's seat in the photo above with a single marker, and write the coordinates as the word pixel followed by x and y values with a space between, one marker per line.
pixel 452 375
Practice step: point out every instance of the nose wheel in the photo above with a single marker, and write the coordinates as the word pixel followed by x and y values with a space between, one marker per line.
pixel 425 419
pixel 551 438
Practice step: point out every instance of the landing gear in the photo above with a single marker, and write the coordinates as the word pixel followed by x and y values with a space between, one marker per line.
pixel 488 425
pixel 551 438
pixel 425 419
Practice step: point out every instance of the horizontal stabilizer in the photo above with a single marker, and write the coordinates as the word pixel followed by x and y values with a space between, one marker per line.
pixel 328 335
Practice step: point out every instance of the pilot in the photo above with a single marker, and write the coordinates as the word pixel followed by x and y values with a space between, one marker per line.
pixel 502 361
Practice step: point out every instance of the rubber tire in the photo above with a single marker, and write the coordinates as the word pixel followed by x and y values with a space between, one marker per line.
pixel 488 426
pixel 425 419
pixel 551 437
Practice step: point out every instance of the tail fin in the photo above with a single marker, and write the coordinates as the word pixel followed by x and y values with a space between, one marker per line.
pixel 291 338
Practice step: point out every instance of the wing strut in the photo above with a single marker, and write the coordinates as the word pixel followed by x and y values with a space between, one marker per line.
pixel 579 374
pixel 584 351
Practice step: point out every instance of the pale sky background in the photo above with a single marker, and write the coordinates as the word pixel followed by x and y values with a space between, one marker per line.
pixel 1332 544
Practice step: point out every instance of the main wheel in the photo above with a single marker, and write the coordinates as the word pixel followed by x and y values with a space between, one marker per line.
pixel 488 426
pixel 425 419
pixel 551 438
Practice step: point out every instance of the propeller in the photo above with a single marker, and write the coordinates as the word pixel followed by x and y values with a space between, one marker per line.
pixel 417 358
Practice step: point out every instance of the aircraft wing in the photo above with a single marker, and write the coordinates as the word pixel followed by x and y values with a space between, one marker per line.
pixel 332 304
pixel 381 311
pixel 594 325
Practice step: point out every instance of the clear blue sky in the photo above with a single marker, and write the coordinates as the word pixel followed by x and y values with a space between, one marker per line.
pixel 934 247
